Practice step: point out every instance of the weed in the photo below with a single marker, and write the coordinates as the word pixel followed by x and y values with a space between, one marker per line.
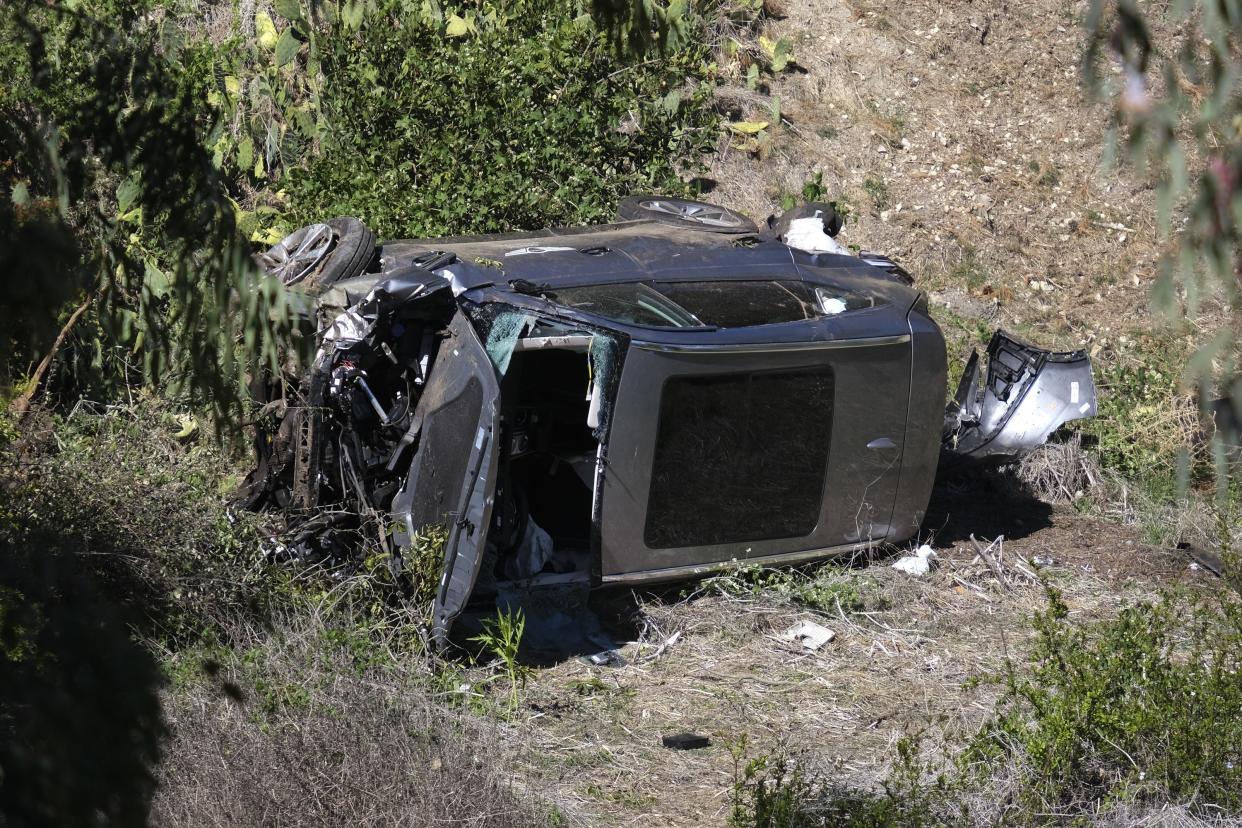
pixel 503 637
pixel 877 188
pixel 1050 177
pixel 812 190
pixel 969 271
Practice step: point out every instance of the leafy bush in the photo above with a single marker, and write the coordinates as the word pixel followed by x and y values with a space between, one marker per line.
pixel 522 122
pixel 109 200
pixel 774 791
pixel 1143 706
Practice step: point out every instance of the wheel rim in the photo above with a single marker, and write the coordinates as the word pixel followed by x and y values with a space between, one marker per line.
pixel 295 256
pixel 705 214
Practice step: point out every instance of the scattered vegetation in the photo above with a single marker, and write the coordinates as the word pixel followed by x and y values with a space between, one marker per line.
pixel 969 271
pixel 292 723
pixel 775 791
pixel 828 589
pixel 813 189
pixel 877 189
pixel 1141 707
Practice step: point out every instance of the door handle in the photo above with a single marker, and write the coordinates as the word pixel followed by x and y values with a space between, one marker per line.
pixel 882 444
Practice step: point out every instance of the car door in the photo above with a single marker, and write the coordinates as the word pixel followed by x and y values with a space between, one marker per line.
pixel 453 473
pixel 763 451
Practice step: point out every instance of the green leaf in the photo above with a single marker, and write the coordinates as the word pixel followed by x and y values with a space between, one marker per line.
pixel 752 76
pixel 456 26
pixel 21 195
pixel 127 193
pixel 748 127
pixel 265 30
pixel 287 47
pixel 289 9
pixel 782 55
pixel 352 13
pixel 245 153
pixel 671 102
pixel 156 280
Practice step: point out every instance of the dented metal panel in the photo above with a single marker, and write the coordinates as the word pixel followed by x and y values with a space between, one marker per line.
pixel 1028 393
pixel 453 471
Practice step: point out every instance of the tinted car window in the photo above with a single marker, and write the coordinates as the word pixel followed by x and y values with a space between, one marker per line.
pixel 729 304
pixel 632 302
pixel 740 457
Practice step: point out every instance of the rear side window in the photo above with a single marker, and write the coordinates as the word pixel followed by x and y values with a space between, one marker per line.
pixel 740 457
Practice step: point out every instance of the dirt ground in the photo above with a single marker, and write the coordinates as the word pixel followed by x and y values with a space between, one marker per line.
pixel 958 135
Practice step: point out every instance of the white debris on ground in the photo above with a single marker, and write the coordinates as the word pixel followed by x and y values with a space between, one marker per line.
pixel 810 635
pixel 917 564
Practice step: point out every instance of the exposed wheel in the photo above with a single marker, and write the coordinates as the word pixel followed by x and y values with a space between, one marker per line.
pixel 318 255
pixel 681 212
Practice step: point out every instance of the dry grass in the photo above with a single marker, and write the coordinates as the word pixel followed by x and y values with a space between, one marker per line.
pixel 1060 472
pixel 593 736
pixel 305 730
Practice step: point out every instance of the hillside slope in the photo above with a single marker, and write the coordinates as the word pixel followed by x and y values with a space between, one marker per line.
pixel 961 138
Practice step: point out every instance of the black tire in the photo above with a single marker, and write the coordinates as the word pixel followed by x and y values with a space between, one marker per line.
pixel 314 257
pixel 354 250
pixel 681 212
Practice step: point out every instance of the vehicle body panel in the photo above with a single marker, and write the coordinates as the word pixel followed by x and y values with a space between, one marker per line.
pixel 454 469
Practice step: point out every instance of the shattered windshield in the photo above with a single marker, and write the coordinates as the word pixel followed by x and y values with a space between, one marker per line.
pixel 710 304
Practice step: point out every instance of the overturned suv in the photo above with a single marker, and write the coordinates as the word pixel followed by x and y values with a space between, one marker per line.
pixel 632 402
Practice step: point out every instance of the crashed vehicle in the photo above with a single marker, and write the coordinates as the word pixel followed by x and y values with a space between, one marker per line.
pixel 633 402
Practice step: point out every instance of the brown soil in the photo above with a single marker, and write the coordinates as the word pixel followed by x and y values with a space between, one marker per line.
pixel 961 140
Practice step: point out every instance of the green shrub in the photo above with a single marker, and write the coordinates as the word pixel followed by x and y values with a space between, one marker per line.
pixel 775 791
pixel 524 121
pixel 1143 706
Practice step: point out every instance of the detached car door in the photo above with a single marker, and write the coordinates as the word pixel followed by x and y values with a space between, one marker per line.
pixel 453 472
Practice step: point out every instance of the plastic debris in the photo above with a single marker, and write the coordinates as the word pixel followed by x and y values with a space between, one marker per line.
pixel 810 635
pixel 808 234
pixel 917 564
pixel 606 658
